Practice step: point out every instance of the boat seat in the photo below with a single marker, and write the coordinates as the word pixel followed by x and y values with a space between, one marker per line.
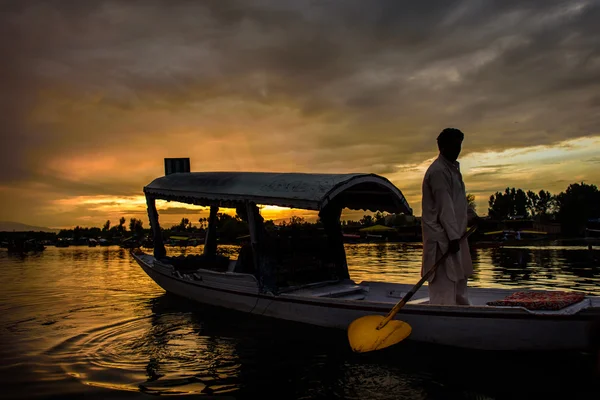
pixel 342 290
pixel 422 300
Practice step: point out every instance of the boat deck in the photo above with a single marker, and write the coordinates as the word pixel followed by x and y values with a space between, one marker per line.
pixel 374 293
pixel 392 293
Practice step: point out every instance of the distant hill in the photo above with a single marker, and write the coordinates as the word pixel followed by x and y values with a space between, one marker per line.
pixel 9 226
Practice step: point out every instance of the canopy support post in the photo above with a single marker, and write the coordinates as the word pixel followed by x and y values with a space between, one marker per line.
pixel 330 217
pixel 159 247
pixel 257 237
pixel 210 241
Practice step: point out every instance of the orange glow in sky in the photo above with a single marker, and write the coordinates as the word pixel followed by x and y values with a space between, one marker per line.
pixel 96 96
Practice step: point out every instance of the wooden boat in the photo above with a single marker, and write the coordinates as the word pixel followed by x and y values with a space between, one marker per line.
pixel 25 246
pixel 511 238
pixel 130 243
pixel 304 277
pixel 62 243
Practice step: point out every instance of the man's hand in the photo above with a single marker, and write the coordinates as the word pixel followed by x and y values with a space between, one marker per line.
pixel 454 246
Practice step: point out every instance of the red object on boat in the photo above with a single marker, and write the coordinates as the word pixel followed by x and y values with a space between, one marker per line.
pixel 540 300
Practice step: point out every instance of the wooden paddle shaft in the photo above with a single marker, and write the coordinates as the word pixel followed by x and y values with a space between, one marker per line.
pixel 412 291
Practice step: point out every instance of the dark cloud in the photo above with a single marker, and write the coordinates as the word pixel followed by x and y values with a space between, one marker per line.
pixel 495 167
pixel 367 85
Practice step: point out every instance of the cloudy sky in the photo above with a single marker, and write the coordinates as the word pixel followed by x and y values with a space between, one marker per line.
pixel 94 95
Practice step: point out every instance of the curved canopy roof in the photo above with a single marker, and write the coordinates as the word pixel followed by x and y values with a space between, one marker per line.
pixel 295 190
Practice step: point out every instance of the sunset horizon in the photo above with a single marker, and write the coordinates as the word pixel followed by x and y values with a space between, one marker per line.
pixel 126 125
pixel 97 94
pixel 112 208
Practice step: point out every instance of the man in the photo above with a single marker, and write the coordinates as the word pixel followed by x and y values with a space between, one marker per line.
pixel 444 221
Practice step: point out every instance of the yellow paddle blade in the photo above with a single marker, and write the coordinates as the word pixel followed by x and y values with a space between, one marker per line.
pixel 364 336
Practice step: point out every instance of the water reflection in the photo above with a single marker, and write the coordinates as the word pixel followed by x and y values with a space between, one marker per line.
pixel 90 315
pixel 573 268
pixel 224 352
pixel 560 268
pixel 476 262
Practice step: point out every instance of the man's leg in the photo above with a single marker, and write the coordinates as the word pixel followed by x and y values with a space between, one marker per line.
pixel 441 289
pixel 462 297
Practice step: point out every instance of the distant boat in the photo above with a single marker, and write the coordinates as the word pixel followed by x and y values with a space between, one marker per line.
pixel 130 243
pixel 25 246
pixel 504 238
pixel 62 243
pixel 309 282
pixel 178 240
pixel 351 238
pixel 592 233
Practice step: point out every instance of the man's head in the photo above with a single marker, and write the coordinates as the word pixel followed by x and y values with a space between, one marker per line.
pixel 450 143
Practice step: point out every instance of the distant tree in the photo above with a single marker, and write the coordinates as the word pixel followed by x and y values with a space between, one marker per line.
pixel 521 203
pixel 223 218
pixel 136 226
pixel 269 225
pixel 546 204
pixel 541 204
pixel 367 220
pixel 500 205
pixel 229 227
pixel 121 227
pixel 106 226
pixel 349 222
pixel 403 220
pixel 65 233
pixel 295 221
pixel 184 224
pixel 576 205
pixel 77 232
pixel 513 202
pixel 471 201
pixel 379 218
pixel 93 232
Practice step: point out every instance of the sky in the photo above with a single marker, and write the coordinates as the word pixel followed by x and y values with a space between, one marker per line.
pixel 95 94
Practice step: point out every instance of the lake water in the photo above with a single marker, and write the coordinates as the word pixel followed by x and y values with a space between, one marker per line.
pixel 88 322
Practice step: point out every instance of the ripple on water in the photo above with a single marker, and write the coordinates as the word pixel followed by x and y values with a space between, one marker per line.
pixel 142 341
pixel 163 354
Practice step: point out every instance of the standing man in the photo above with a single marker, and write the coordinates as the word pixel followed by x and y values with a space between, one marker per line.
pixel 444 221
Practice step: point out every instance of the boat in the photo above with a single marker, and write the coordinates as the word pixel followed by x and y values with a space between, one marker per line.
pixel 511 238
pixel 181 241
pixel 304 277
pixel 25 246
pixel 62 243
pixel 130 243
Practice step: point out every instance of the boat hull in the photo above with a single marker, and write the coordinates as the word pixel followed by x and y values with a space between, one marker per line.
pixel 472 327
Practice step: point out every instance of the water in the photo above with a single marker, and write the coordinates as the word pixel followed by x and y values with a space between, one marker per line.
pixel 88 322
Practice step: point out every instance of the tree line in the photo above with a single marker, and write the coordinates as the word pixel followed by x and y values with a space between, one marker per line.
pixel 573 208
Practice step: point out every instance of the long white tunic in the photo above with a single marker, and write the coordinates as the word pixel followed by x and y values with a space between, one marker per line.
pixel 444 218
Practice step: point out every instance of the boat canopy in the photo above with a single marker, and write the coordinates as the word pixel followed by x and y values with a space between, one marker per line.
pixel 311 191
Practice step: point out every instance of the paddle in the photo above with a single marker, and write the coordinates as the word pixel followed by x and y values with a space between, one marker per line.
pixel 374 332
